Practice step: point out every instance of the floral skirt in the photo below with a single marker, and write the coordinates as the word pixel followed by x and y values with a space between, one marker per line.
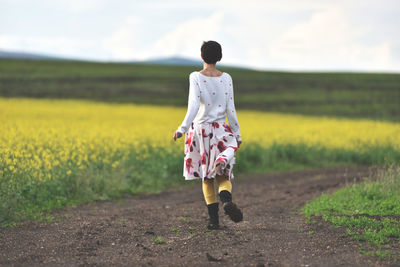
pixel 210 150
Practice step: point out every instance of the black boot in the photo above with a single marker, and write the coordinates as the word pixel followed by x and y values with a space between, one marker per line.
pixel 230 208
pixel 213 223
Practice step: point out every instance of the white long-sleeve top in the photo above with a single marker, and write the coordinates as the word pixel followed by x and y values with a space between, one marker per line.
pixel 210 100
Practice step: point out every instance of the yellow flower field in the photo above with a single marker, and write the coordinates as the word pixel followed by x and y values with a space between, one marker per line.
pixel 60 152
pixel 38 136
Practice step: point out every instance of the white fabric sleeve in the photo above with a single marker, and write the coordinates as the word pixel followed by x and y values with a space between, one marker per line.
pixel 193 104
pixel 231 111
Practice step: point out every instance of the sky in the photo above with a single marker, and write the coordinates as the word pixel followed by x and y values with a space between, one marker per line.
pixel 294 35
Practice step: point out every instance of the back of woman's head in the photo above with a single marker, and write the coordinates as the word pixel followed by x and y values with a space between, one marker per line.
pixel 211 52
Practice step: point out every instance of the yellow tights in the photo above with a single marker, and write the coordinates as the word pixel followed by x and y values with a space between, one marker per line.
pixel 209 189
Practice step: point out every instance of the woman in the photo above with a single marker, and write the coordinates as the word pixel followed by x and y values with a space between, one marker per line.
pixel 210 143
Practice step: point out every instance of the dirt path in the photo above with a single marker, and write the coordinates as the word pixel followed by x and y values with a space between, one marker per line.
pixel 123 232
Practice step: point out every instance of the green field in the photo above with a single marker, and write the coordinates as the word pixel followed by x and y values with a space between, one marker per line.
pixel 354 95
pixel 84 152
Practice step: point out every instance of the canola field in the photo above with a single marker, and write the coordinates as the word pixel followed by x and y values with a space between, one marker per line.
pixel 63 152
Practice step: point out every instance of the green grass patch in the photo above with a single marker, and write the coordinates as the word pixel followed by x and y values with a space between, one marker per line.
pixel 185 218
pixel 370 211
pixel 279 157
pixel 175 230
pixel 159 240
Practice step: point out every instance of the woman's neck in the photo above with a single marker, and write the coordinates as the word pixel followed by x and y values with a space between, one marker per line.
pixel 209 67
pixel 210 70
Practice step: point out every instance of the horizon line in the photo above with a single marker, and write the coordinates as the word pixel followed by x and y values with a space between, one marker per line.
pixel 54 57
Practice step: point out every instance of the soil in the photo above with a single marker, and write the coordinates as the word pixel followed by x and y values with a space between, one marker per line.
pixel 169 229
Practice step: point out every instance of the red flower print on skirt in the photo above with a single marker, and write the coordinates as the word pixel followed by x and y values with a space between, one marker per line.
pixel 188 142
pixel 203 158
pixel 221 146
pixel 211 148
pixel 203 132
pixel 227 128
pixel 189 164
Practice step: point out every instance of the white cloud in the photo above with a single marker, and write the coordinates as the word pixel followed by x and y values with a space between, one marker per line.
pixel 309 35
pixel 128 41
pixel 328 41
pixel 285 34
pixel 186 38
pixel 125 42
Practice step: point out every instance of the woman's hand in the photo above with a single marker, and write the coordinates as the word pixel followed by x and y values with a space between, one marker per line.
pixel 177 135
pixel 238 141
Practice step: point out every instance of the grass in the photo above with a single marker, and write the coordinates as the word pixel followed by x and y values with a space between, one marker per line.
pixel 191 234
pixel 159 240
pixel 280 157
pixel 370 212
pixel 175 230
pixel 354 95
pixel 185 218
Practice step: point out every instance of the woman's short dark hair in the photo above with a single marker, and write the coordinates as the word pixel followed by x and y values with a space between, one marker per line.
pixel 211 52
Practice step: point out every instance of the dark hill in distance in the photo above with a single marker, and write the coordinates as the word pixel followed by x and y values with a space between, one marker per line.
pixel 173 61
pixel 24 55
pixel 182 61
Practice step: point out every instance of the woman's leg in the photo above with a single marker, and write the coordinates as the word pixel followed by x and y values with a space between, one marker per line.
pixel 224 189
pixel 225 195
pixel 212 204
pixel 209 191
pixel 224 184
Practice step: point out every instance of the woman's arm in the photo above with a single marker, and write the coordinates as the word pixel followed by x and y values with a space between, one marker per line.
pixel 231 111
pixel 193 103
